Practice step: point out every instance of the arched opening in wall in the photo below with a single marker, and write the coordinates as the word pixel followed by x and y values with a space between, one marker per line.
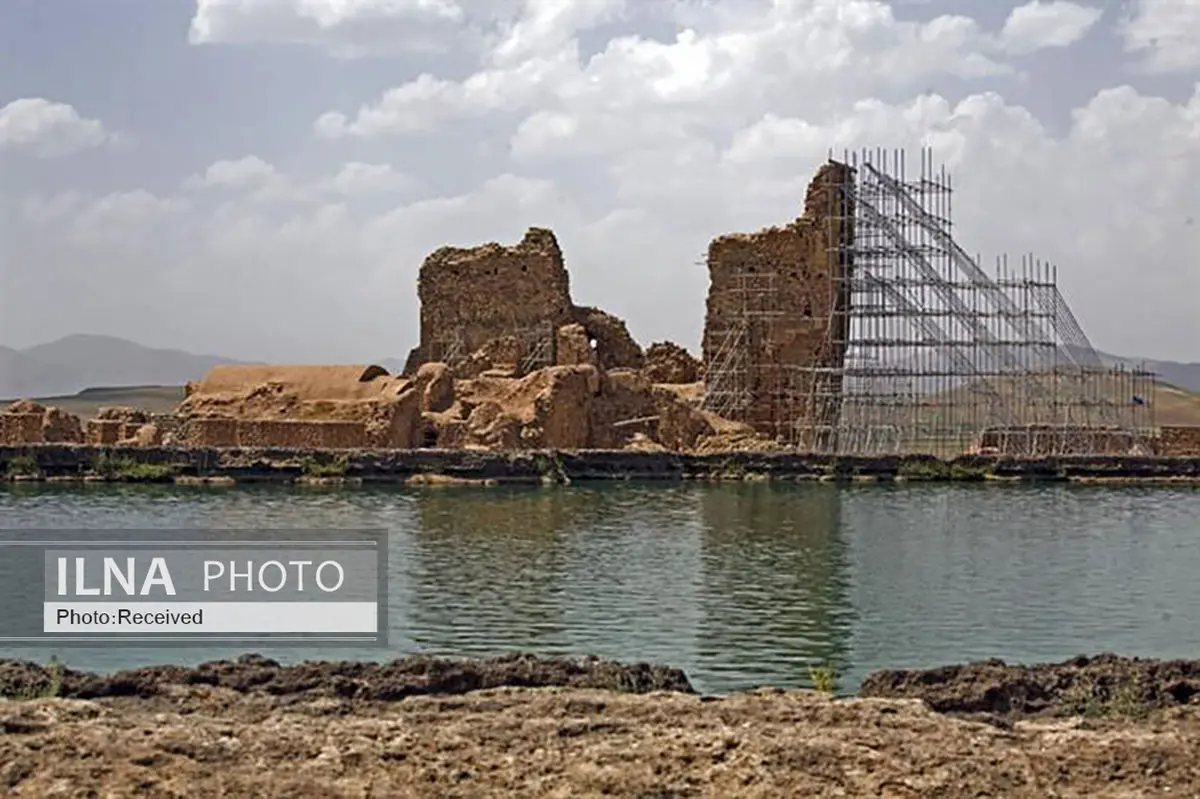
pixel 806 310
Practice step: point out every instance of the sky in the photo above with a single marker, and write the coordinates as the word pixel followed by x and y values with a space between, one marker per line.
pixel 261 179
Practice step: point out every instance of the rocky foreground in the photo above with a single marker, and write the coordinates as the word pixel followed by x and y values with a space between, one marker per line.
pixel 525 726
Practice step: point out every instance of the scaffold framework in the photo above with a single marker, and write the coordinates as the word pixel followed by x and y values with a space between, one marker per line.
pixel 934 355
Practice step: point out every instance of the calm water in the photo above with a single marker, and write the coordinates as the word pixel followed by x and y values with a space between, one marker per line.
pixel 739 585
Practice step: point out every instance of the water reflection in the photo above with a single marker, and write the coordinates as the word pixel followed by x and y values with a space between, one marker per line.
pixel 775 583
pixel 486 567
pixel 737 584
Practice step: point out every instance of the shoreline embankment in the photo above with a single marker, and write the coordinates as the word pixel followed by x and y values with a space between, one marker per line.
pixel 73 462
pixel 523 725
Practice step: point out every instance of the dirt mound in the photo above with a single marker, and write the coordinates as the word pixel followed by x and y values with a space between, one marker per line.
pixel 1100 685
pixel 410 676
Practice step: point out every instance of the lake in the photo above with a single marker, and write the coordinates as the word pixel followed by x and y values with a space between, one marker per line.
pixel 737 584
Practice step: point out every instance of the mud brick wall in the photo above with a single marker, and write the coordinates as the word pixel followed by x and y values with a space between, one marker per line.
pixel 1179 440
pixel 1037 441
pixel 483 293
pixel 21 428
pixel 301 434
pixel 99 432
pixel 787 290
pixel 209 433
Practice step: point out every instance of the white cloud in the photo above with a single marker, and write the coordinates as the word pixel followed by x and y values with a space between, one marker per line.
pixel 248 170
pixel 48 129
pixel 345 28
pixel 1041 24
pixel 1109 200
pixel 358 179
pixel 1166 33
pixel 637 155
pixel 739 55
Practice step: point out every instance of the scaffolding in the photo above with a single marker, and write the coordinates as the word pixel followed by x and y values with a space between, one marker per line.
pixel 923 351
pixel 531 347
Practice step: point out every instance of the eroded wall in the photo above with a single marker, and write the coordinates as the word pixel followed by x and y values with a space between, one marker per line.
pixel 1038 441
pixel 472 296
pixel 780 298
pixel 1179 440
pixel 270 433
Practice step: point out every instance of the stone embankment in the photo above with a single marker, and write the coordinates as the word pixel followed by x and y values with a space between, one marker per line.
pixel 189 464
pixel 528 726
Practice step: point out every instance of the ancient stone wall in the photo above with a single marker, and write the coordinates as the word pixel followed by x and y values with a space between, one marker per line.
pixel 268 433
pixel 1179 440
pixel 211 432
pixel 54 425
pixel 1039 441
pixel 614 346
pixel 21 428
pixel 300 434
pixel 104 431
pixel 472 296
pixel 778 306
pixel 667 362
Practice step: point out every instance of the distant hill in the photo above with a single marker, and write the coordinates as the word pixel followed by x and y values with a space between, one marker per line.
pixel 75 363
pixel 1176 373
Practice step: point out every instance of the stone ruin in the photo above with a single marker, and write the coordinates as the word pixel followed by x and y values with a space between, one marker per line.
pixel 506 360
pixel 326 407
pixel 29 422
pixel 497 307
pixel 774 370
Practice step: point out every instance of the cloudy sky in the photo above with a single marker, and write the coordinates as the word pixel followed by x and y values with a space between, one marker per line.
pixel 261 178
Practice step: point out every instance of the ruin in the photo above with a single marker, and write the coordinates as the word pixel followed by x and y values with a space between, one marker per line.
pixel 29 422
pixel 864 328
pixel 494 306
pixel 333 407
pixel 774 330
pixel 861 327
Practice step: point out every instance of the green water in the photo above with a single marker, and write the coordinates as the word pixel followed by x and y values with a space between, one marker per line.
pixel 739 585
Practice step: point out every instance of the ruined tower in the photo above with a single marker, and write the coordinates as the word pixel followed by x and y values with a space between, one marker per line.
pixel 777 318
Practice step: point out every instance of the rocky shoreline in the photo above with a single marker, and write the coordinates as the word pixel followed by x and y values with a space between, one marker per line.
pixel 70 462
pixel 530 726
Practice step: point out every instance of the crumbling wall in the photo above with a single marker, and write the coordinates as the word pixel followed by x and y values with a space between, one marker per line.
pixel 29 422
pixel 472 296
pixel 615 347
pixel 101 432
pixel 777 306
pixel 569 407
pixel 573 346
pixel 1038 441
pixel 1177 440
pixel 667 362
pixel 316 406
pixel 21 428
